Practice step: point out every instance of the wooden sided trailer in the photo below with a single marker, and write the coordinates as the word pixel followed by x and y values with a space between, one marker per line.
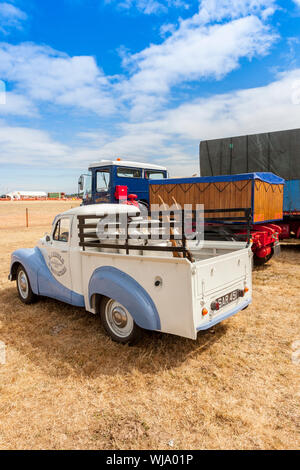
pixel 262 192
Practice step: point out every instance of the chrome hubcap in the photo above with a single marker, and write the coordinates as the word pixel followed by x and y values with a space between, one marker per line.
pixel 119 319
pixel 23 284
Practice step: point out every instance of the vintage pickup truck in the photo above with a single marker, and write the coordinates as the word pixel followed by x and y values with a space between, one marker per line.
pixel 173 287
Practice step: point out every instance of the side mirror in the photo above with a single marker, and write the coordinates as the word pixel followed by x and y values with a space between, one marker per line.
pixel 80 183
pixel 48 239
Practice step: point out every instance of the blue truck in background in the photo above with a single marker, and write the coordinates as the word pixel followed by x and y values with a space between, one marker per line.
pixel 291 197
pixel 111 181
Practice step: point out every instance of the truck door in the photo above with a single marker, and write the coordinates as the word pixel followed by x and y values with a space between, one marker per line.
pixel 102 188
pixel 132 178
pixel 58 260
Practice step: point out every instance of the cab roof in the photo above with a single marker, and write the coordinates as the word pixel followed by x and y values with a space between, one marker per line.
pixel 127 164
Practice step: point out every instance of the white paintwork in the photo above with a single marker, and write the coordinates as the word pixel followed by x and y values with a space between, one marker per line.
pixel 128 164
pixel 187 288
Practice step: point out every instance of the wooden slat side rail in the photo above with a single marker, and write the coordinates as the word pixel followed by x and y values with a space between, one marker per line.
pixel 90 238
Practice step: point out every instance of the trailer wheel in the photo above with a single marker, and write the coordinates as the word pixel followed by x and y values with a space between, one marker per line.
pixel 261 261
pixel 118 322
pixel 23 286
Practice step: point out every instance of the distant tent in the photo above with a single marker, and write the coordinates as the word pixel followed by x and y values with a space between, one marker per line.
pixel 26 194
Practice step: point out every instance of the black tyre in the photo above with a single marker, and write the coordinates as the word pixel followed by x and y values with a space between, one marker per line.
pixel 261 261
pixel 118 322
pixel 23 286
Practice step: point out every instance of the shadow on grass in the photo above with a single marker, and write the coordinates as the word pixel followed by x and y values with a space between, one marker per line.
pixel 63 341
pixel 264 267
pixel 290 247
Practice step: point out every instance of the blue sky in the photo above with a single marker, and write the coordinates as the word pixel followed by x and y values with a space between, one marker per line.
pixel 144 80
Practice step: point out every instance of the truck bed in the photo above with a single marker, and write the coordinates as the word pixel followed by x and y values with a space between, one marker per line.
pixel 186 287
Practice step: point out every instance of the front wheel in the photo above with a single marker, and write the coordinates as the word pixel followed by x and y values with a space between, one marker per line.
pixel 23 286
pixel 118 322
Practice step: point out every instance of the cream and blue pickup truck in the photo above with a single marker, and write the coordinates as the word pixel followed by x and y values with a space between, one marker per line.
pixel 163 285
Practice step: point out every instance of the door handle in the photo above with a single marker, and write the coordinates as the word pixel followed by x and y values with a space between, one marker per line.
pixel 64 251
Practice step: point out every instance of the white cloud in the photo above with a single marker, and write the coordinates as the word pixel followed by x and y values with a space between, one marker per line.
pixel 21 145
pixel 150 7
pixel 263 109
pixel 172 139
pixel 10 17
pixel 43 74
pixel 217 10
pixel 16 105
pixel 194 52
pixel 209 10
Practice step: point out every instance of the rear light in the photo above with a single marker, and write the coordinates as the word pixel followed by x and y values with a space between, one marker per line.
pixel 215 306
pixel 243 292
pixel 204 311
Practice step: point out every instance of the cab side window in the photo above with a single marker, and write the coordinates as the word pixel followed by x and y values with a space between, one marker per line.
pixel 103 181
pixel 129 172
pixel 62 230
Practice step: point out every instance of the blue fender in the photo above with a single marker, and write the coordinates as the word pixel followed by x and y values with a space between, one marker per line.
pixel 117 285
pixel 41 279
pixel 30 258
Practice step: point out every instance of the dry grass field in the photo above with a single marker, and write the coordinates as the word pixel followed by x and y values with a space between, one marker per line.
pixel 65 385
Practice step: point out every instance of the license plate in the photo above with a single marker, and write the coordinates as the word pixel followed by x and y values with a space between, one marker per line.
pixel 228 298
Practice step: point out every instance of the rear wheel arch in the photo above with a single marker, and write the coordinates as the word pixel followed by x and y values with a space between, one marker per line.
pixel 95 301
pixel 110 282
pixel 14 269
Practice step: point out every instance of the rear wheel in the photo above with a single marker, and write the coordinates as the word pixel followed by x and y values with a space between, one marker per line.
pixel 23 285
pixel 118 322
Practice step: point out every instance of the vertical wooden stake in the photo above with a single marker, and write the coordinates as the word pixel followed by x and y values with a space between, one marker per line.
pixel 26 217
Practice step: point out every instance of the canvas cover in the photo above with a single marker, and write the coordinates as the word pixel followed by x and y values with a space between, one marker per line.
pixel 262 176
pixel 275 152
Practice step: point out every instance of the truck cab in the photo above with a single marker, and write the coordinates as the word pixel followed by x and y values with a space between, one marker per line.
pixel 116 181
